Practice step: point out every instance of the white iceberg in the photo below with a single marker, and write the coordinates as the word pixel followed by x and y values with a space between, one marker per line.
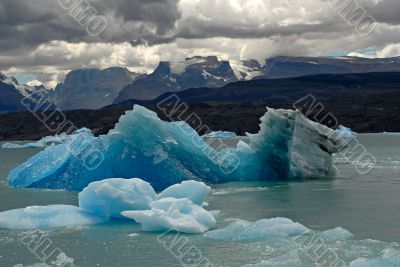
pixel 197 192
pixel 110 197
pixel 45 217
pixel 267 228
pixel 288 147
pixel 180 215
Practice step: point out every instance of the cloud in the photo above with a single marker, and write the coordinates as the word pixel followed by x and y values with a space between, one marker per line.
pixel 41 38
pixel 391 50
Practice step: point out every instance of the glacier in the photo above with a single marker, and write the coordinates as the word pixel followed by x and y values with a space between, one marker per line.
pixel 46 217
pixel 180 215
pixel 288 147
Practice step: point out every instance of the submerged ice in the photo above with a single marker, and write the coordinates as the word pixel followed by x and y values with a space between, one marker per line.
pixel 267 228
pixel 288 146
pixel 45 217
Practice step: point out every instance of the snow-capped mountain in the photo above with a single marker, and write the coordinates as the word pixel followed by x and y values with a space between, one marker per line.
pixel 195 72
pixel 92 88
pixel 12 93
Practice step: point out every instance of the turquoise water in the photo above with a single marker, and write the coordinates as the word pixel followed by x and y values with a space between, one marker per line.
pixel 366 205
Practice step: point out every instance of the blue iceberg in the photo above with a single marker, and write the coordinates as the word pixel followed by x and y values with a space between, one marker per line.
pixel 45 217
pixel 288 147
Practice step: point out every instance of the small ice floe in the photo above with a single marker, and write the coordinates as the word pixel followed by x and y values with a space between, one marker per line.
pixel 346 132
pixel 46 217
pixel 220 134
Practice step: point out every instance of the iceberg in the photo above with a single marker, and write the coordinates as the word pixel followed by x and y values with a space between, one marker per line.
pixel 180 215
pixel 195 191
pixel 288 147
pixel 46 217
pixel 108 198
pixel 346 132
pixel 337 233
pixel 220 134
pixel 48 140
pixel 241 230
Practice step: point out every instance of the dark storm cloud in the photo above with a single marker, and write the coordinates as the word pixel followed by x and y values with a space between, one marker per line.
pixel 25 24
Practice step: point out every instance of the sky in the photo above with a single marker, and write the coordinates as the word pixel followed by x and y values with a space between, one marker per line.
pixel 41 41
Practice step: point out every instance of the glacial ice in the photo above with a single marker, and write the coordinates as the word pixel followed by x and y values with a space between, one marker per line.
pixel 267 228
pixel 288 147
pixel 346 132
pixel 108 198
pixel 197 192
pixel 45 217
pixel 220 134
pixel 180 215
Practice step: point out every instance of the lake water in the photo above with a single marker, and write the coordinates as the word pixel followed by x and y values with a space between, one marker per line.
pixel 366 205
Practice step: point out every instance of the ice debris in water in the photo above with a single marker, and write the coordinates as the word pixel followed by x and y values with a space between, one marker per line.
pixel 180 215
pixel 45 217
pixel 390 258
pixel 288 147
pixel 197 192
pixel 220 134
pixel 48 140
pixel 346 132
pixel 110 197
pixel 262 229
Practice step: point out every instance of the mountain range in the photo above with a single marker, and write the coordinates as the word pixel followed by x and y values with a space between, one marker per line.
pixel 96 88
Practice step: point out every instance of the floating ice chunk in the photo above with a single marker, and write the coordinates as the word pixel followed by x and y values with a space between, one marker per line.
pixel 288 147
pixel 220 134
pixel 346 132
pixel 180 215
pixel 42 143
pixel 197 192
pixel 337 233
pixel 262 229
pixel 110 197
pixel 38 144
pixel 45 217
